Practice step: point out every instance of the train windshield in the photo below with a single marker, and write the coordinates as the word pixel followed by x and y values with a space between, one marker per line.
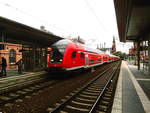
pixel 58 50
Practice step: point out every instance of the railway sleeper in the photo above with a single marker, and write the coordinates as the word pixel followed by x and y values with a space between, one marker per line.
pixel 27 90
pixel 75 91
pixel 87 96
pixel 13 95
pixel 63 112
pixel 63 100
pixel 49 109
pixel 72 93
pixel 105 102
pixel 79 105
pixel 90 93
pixel 102 108
pixel 107 95
pixel 109 89
pixel 87 104
pixel 21 92
pixel 57 104
pixel 85 99
pixel 82 102
pixel 27 97
pixel 73 109
pixel 106 98
pixel 67 96
pixel 33 88
pixel 108 92
pixel 4 98
pixel 18 100
pixel 100 111
pixel 95 91
pixel 8 105
pixel 96 87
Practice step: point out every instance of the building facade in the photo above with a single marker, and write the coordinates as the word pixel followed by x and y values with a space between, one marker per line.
pixel 11 53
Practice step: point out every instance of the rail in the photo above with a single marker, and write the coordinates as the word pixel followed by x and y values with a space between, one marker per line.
pixel 65 103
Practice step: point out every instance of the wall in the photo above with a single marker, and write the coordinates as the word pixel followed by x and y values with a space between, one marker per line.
pixel 6 51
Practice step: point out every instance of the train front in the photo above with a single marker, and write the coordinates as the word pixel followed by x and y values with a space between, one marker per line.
pixel 55 58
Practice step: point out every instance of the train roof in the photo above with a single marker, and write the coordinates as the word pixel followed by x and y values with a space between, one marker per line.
pixel 62 42
pixel 67 41
pixel 93 50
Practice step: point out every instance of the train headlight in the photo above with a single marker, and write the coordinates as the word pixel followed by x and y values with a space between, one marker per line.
pixel 60 60
pixel 52 60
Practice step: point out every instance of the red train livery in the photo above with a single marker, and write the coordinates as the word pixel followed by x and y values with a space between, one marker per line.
pixel 67 55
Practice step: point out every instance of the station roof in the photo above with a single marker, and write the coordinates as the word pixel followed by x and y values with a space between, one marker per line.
pixel 133 19
pixel 14 32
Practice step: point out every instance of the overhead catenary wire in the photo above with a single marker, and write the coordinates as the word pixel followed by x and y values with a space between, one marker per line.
pixel 92 10
pixel 37 18
pixel 97 18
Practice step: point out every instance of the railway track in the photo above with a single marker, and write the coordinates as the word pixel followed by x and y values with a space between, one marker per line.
pixel 11 83
pixel 14 89
pixel 96 96
pixel 26 92
pixel 13 97
pixel 17 88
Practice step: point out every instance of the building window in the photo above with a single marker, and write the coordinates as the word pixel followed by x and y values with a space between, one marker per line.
pixel 12 56
pixel 2 46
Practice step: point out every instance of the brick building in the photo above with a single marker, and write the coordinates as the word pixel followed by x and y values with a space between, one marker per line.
pixel 11 53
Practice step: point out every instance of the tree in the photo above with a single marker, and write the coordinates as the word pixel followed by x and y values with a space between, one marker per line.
pixel 120 54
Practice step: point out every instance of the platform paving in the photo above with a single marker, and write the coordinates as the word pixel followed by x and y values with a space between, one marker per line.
pixel 142 78
pixel 130 96
pixel 13 72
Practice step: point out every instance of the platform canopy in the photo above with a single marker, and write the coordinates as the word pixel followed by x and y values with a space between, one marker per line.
pixel 14 32
pixel 133 19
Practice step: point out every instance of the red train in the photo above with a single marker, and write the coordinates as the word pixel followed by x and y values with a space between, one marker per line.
pixel 67 55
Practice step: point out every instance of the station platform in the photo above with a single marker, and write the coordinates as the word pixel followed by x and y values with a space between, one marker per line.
pixel 133 91
pixel 13 72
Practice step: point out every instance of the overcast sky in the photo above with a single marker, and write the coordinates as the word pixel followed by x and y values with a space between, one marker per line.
pixel 92 20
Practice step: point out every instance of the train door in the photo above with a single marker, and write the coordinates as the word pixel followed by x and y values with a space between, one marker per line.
pixel 86 60
pixel 74 59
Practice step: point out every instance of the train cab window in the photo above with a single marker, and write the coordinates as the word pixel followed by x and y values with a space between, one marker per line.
pixel 58 51
pixel 74 54
pixel 82 55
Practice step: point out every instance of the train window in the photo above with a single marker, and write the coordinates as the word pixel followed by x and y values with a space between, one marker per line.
pixel 82 55
pixel 74 54
pixel 99 60
pixel 61 45
pixel 92 61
